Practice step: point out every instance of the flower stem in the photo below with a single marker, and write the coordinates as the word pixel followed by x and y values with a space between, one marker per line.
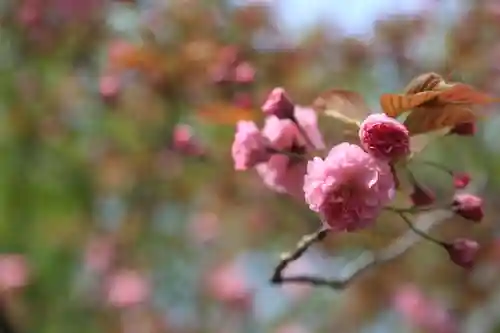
pixel 420 232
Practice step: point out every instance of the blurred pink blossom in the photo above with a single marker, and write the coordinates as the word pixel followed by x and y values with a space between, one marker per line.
pixel 72 10
pixel 292 328
pixel 30 12
pixel 126 288
pixel 99 254
pixel 348 188
pixel 109 87
pixel 227 283
pixel 14 272
pixel 423 312
pixel 204 227
pixel 118 50
pixel 244 73
pixel 185 142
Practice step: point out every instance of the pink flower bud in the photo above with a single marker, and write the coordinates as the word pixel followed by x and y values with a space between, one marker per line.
pixel 384 137
pixel 279 104
pixel 185 141
pixel 421 196
pixel 244 73
pixel 463 252
pixel 468 206
pixel 465 129
pixel 461 180
pixel 249 146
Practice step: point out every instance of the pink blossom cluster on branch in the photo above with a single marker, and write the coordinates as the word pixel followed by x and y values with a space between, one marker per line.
pixel 349 185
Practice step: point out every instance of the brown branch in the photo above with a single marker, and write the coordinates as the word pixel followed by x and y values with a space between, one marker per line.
pixel 360 265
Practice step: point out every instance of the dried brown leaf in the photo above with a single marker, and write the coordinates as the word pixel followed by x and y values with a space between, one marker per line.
pixel 423 82
pixel 395 104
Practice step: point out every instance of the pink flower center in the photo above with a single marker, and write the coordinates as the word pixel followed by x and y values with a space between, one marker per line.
pixel 343 204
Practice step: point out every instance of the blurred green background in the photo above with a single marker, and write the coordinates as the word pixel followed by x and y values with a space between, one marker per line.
pixel 119 207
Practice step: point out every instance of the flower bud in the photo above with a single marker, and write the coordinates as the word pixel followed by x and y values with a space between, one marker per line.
pixel 279 104
pixel 463 252
pixel 468 206
pixel 461 180
pixel 384 137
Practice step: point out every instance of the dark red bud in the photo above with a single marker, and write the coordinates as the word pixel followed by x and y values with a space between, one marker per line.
pixel 463 252
pixel 468 206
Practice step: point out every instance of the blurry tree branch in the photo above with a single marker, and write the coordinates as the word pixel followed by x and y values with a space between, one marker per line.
pixel 365 261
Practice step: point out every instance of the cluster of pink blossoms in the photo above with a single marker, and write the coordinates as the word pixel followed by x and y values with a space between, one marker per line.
pixel 351 185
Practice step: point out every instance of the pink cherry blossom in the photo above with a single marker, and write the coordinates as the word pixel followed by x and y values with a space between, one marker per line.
pixel 283 175
pixel 249 146
pixel 348 188
pixel 384 137
pixel 282 134
pixel 423 312
pixel 308 120
pixel 127 288
pixel 13 271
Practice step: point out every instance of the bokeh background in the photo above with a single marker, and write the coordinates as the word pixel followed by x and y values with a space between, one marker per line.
pixel 120 210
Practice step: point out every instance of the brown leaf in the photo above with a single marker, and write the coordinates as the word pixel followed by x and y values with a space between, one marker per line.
pixel 464 94
pixel 423 82
pixel 423 120
pixel 434 103
pixel 395 104
pixel 348 103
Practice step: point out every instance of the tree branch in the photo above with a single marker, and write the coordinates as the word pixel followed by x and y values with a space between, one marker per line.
pixel 365 261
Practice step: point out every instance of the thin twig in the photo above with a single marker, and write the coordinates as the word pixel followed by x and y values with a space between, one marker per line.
pixel 302 246
pixel 364 262
pixel 418 231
